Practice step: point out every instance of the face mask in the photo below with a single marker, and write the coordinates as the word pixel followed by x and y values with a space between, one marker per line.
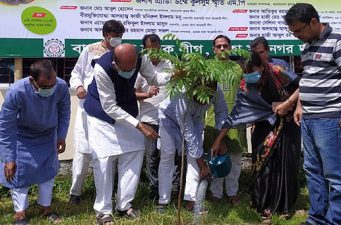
pixel 46 92
pixel 126 74
pixel 115 41
pixel 252 78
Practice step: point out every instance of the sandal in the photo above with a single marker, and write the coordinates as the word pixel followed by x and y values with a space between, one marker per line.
pixel 202 211
pixel 161 209
pixel 104 219
pixel 130 213
pixel 53 217
pixel 266 214
pixel 20 218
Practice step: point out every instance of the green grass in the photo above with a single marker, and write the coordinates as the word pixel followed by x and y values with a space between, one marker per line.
pixel 83 214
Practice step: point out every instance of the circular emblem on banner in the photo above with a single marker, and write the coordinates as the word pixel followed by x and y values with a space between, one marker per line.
pixel 54 48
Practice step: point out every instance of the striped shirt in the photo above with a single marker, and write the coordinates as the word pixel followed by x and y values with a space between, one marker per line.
pixel 320 86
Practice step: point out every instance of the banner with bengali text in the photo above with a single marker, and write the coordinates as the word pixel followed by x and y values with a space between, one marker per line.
pixel 38 28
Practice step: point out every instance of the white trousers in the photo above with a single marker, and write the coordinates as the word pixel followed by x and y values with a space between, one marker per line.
pixel 129 168
pixel 83 155
pixel 80 165
pixel 166 170
pixel 20 196
pixel 192 179
pixel 231 180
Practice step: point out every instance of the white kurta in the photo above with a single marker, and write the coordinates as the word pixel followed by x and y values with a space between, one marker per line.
pixel 112 139
pixel 122 136
pixel 121 141
pixel 82 75
pixel 149 107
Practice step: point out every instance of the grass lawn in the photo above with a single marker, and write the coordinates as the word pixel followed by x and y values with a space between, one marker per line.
pixel 83 214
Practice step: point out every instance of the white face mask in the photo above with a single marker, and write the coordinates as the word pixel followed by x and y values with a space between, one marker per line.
pixel 114 41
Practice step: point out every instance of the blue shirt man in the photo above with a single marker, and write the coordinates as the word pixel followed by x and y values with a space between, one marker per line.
pixel 34 120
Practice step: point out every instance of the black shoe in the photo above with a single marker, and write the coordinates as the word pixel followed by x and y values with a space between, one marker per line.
pixel 130 213
pixel 74 199
pixel 306 223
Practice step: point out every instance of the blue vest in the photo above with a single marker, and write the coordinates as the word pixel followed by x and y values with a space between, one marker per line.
pixel 124 90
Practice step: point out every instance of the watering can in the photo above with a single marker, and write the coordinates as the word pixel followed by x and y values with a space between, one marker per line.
pixel 220 165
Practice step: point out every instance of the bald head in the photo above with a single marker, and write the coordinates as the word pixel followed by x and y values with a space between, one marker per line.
pixel 125 56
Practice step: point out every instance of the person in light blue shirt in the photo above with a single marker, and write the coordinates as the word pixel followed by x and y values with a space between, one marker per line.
pixel 183 118
pixel 34 120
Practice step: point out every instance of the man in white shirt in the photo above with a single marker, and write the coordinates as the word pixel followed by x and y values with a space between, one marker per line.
pixel 81 76
pixel 150 98
pixel 115 133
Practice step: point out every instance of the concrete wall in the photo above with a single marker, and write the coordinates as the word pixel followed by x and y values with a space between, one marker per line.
pixel 68 154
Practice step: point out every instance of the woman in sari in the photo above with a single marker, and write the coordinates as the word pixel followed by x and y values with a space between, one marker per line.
pixel 269 90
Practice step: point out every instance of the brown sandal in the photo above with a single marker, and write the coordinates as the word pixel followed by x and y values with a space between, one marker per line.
pixel 20 218
pixel 266 214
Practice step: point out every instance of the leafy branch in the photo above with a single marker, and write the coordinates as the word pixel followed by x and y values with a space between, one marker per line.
pixel 193 73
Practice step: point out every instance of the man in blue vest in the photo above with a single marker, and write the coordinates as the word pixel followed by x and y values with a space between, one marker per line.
pixel 115 133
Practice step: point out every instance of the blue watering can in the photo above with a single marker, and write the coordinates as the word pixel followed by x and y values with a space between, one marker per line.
pixel 220 165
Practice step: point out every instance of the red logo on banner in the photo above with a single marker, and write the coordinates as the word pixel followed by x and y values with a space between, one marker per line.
pixel 318 56
pixel 38 15
pixel 241 35
pixel 238 29
pixel 239 11
pixel 68 7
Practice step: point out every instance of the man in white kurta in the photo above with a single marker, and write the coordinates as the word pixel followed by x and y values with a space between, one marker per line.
pixel 114 129
pixel 81 77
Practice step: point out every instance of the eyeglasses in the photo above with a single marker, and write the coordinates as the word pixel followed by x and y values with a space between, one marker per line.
pixel 220 46
pixel 293 32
